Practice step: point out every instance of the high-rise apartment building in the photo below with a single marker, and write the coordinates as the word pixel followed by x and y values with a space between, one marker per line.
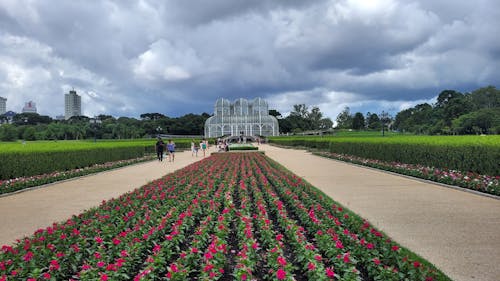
pixel 72 105
pixel 29 107
pixel 3 105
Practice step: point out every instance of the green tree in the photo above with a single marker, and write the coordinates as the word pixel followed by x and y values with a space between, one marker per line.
pixel 358 121
pixel 344 119
pixel 275 113
pixel 29 133
pixel 8 132
pixel 373 122
pixel 314 117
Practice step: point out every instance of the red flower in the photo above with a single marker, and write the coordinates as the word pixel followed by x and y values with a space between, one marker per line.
pixel 395 248
pixel 281 261
pixel 28 256
pixel 104 277
pixel 329 272
pixel 311 266
pixel 376 261
pixel 416 264
pixel 281 274
pixel 116 241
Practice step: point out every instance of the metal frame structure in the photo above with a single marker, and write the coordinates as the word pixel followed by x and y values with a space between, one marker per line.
pixel 241 118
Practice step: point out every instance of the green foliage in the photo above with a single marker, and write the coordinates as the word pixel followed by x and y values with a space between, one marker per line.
pixel 453 113
pixel 34 158
pixel 478 154
pixel 8 133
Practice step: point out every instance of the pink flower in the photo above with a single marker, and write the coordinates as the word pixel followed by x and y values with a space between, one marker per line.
pixel 311 266
pixel 28 256
pixel 281 261
pixel 280 274
pixel 329 272
pixel 395 248
pixel 376 261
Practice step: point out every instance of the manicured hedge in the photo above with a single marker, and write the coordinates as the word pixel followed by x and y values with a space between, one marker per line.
pixel 35 158
pixel 475 154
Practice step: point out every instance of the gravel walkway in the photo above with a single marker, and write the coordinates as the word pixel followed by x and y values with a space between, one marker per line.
pixel 457 231
pixel 25 212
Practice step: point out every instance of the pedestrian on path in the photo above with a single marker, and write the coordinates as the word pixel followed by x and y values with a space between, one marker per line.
pixel 171 150
pixel 194 148
pixel 204 146
pixel 159 146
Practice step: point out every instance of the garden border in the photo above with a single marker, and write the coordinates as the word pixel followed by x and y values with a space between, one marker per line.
pixel 416 178
pixel 66 180
pixel 396 174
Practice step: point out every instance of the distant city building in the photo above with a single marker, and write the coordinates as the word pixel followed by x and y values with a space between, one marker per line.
pixel 60 117
pixel 29 107
pixel 241 118
pixel 3 105
pixel 10 115
pixel 72 105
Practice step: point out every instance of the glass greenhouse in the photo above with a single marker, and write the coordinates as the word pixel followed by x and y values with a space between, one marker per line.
pixel 243 117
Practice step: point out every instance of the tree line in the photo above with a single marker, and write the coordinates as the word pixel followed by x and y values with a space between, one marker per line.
pixel 477 112
pixel 32 126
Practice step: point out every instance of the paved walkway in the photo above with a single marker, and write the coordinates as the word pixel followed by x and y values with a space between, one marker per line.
pixel 25 212
pixel 457 231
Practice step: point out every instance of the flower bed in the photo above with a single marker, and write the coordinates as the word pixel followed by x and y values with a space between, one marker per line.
pixel 243 218
pixel 473 181
pixel 11 185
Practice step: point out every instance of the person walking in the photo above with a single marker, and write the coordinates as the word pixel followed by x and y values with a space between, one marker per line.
pixel 171 150
pixel 194 148
pixel 203 146
pixel 159 146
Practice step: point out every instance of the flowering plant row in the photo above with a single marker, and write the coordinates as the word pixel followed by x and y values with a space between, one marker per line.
pixel 11 185
pixel 228 217
pixel 473 181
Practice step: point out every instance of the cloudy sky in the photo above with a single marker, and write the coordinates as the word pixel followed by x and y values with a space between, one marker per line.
pixel 175 57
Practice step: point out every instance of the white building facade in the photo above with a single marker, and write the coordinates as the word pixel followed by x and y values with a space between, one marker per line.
pixel 243 117
pixel 3 105
pixel 72 105
pixel 29 107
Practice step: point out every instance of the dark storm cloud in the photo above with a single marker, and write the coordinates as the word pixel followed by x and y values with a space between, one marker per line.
pixel 177 57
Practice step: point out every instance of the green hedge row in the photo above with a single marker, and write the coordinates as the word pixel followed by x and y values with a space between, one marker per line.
pixel 482 159
pixel 22 164
pixel 38 158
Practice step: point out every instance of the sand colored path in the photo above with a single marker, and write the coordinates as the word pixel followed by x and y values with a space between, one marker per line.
pixel 25 212
pixel 457 231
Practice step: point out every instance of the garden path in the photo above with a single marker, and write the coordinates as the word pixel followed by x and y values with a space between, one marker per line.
pixel 25 212
pixel 457 231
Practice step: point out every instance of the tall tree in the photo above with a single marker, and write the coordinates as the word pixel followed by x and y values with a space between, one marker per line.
pixel 358 121
pixel 344 119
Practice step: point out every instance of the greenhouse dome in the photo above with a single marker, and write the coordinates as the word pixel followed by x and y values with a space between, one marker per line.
pixel 243 117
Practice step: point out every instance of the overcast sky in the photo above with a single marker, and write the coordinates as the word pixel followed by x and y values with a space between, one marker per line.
pixel 176 57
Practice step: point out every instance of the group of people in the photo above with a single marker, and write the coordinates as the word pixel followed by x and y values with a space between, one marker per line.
pixel 170 147
pixel 203 145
